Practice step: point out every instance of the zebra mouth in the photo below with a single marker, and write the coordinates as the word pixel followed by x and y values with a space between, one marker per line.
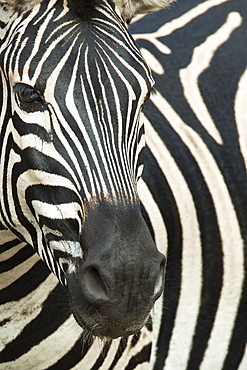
pixel 104 322
pixel 106 329
pixel 81 322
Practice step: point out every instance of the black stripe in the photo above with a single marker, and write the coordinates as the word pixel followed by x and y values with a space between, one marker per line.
pixel 11 244
pixel 101 358
pixel 18 258
pixel 53 314
pixel 239 337
pixel 25 284
pixel 73 357
pixel 121 347
pixel 141 357
pixel 162 195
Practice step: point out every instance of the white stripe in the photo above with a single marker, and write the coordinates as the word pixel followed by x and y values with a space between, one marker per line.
pixel 108 138
pixel 70 103
pixel 50 96
pixel 35 177
pixel 132 96
pixel 4 139
pixel 131 351
pixel 46 55
pixel 154 214
pixel 201 59
pixel 160 236
pixel 7 16
pixel 127 44
pixel 57 211
pixel 232 243
pixel 67 246
pixel 10 252
pixel 38 40
pixel 20 313
pixel 191 253
pixel 169 27
pixel 93 126
pixel 37 359
pixel 241 114
pixel 46 148
pixel 9 277
pixel 243 364
pixel 152 61
pixel 42 15
pixel 13 159
pixel 175 24
pixel 119 121
pixel 96 126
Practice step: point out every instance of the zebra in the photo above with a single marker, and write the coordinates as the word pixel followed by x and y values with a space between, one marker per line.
pixel 195 178
pixel 73 87
pixel 193 191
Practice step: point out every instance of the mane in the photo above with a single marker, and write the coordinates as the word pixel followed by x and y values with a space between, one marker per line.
pixel 82 8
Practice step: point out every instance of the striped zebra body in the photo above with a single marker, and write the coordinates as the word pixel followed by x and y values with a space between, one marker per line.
pixel 193 191
pixel 196 172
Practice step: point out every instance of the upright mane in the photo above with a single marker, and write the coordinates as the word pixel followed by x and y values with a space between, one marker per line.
pixel 81 7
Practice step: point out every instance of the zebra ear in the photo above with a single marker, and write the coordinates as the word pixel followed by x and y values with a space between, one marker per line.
pixel 21 5
pixel 130 8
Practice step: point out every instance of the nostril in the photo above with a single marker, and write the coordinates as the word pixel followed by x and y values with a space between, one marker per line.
pixel 163 265
pixel 94 283
pixel 159 285
pixel 163 262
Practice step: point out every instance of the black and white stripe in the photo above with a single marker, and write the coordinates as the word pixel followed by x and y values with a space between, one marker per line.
pixel 194 193
pixel 195 177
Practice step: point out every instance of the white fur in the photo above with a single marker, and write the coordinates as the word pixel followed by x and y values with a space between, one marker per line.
pixel 21 5
pixel 130 8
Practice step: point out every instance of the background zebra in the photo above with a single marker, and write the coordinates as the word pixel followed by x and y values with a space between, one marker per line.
pixel 196 173
pixel 195 185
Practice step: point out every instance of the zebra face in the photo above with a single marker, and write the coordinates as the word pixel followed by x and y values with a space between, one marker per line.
pixel 73 92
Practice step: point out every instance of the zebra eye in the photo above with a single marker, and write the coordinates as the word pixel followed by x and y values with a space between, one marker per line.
pixel 28 97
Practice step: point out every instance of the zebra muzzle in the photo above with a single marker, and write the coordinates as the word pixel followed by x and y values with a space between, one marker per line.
pixel 113 290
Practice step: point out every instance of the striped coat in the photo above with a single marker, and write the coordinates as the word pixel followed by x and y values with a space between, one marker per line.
pixel 194 194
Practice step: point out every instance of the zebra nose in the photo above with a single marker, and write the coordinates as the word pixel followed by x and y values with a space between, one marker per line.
pixel 111 294
pixel 93 284
pixel 100 284
pixel 122 274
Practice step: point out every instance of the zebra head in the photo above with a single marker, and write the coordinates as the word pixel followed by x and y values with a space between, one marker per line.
pixel 73 85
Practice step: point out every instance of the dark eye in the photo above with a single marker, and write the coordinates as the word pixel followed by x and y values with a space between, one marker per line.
pixel 28 97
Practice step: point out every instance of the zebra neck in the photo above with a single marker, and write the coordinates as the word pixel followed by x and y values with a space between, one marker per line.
pixel 8 240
